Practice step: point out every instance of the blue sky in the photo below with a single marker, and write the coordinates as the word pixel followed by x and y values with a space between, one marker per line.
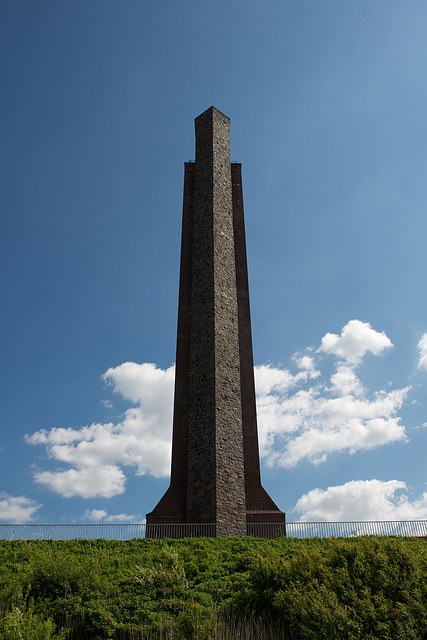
pixel 327 102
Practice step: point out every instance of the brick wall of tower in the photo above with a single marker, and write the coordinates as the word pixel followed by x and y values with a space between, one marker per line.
pixel 215 475
pixel 257 499
pixel 215 443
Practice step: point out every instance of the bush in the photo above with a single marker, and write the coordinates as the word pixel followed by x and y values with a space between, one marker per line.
pixel 361 588
pixel 197 622
pixel 19 624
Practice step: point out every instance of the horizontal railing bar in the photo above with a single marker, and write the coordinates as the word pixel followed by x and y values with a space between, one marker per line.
pixel 123 531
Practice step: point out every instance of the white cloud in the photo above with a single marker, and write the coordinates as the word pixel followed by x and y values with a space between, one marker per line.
pixel 422 346
pixel 124 517
pixel 310 424
pixel 299 419
pixel 269 378
pixel 357 338
pixel 97 453
pixel 104 481
pixel 345 382
pixel 143 384
pixel 17 509
pixel 100 515
pixel 307 364
pixel 361 500
pixel 96 515
pixel 300 415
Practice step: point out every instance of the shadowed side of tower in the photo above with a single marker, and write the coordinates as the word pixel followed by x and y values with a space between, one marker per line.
pixel 260 508
pixel 215 475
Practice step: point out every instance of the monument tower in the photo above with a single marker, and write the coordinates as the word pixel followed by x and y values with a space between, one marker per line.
pixel 215 475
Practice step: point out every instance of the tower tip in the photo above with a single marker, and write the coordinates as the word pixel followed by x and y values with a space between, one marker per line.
pixel 212 110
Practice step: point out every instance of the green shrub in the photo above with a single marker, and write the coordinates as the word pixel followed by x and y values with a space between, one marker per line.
pixel 350 588
pixel 357 589
pixel 19 624
pixel 196 622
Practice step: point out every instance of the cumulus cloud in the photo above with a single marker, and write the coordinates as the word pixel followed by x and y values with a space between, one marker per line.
pixel 17 509
pixel 96 515
pixel 104 481
pixel 361 500
pixel 97 453
pixel 422 346
pixel 307 364
pixel 101 515
pixel 345 382
pixel 269 378
pixel 309 425
pixel 304 416
pixel 357 338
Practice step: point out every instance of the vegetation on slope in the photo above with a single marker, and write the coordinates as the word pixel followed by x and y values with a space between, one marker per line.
pixel 358 588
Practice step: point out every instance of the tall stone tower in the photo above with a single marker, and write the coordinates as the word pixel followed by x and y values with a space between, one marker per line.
pixel 215 475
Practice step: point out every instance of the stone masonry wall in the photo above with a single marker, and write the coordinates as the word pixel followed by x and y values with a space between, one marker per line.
pixel 215 474
pixel 216 488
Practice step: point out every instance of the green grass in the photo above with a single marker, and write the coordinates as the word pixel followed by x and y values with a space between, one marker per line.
pixel 358 588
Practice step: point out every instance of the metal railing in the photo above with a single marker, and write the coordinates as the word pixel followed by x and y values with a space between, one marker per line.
pixel 417 528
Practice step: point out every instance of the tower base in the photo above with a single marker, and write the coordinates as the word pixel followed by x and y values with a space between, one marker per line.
pixel 259 524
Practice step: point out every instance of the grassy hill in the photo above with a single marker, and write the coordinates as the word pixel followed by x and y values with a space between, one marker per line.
pixel 358 588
